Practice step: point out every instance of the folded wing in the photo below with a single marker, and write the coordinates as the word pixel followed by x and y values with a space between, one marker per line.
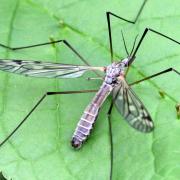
pixel 131 108
pixel 44 69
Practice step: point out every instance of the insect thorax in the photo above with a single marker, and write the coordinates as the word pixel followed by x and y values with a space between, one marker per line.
pixel 114 70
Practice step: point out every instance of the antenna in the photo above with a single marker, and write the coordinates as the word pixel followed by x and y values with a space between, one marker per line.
pixel 124 43
pixel 133 45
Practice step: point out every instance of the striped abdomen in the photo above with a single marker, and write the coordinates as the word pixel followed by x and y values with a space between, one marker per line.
pixel 89 116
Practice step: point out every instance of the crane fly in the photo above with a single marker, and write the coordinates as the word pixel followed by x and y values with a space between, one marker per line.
pixel 127 103
pixel 114 83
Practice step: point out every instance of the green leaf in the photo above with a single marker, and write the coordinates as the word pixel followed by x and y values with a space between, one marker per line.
pixel 41 149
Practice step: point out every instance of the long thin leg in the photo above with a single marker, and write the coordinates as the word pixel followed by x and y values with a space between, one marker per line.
pixel 129 21
pixel 111 139
pixel 37 104
pixel 143 36
pixel 48 43
pixel 155 75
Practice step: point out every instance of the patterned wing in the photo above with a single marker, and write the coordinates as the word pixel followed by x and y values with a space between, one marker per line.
pixel 43 69
pixel 131 108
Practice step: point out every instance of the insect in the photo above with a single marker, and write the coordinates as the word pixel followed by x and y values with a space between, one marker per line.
pixel 124 98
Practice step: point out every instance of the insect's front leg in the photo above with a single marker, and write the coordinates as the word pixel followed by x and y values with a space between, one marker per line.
pixel 37 104
pixel 109 14
pixel 133 55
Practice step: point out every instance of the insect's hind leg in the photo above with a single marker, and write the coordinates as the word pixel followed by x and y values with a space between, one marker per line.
pixel 110 139
pixel 108 14
pixel 37 104
pixel 155 75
